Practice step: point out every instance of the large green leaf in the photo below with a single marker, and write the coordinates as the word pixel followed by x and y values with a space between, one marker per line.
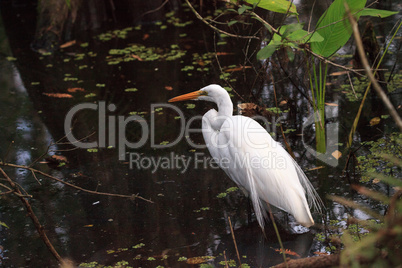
pixel 377 12
pixel 334 26
pixel 280 6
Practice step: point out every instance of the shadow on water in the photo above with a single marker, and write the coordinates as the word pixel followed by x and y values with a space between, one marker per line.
pixel 189 215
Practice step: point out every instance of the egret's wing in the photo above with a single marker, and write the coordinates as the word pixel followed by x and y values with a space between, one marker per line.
pixel 260 165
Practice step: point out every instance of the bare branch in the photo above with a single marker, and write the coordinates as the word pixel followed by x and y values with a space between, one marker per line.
pixel 75 186
pixel 370 75
pixel 39 228
pixel 215 28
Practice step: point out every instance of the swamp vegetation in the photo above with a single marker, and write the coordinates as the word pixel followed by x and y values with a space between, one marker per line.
pixel 324 75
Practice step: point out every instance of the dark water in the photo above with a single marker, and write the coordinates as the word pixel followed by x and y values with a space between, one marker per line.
pixel 188 216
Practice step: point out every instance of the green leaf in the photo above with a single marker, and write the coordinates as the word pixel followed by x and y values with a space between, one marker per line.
pixel 303 36
pixel 4 225
pixel 232 22
pixel 377 12
pixel 280 6
pixel 241 10
pixel 294 32
pixel 268 50
pixel 336 29
pixel 290 28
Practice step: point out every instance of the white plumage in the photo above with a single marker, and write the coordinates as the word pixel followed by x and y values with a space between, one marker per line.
pixel 253 160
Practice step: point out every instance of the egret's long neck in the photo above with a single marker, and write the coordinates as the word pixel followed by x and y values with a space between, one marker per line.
pixel 225 106
pixel 225 110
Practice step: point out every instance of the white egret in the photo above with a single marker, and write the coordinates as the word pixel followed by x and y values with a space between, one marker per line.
pixel 253 160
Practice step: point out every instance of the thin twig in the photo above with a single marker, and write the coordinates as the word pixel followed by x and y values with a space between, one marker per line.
pixel 325 60
pixel 369 73
pixel 226 261
pixel 271 216
pixel 311 16
pixel 215 28
pixel 234 240
pixel 351 85
pixel 33 174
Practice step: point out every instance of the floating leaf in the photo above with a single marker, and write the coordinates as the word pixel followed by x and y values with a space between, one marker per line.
pixel 75 89
pixel 3 224
pixel 336 154
pixel 375 121
pixel 331 104
pixel 315 168
pixel 140 245
pixel 58 95
pixel 288 252
pixel 90 95
pixel 68 44
pixel 198 260
pixel 9 58
pixel 237 69
pixel 190 105
pixel 131 89
pixel 338 73
pixel 168 88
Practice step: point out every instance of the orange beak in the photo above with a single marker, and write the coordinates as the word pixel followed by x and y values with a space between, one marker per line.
pixel 189 96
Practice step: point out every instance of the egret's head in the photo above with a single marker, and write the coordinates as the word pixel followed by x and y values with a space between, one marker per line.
pixel 212 93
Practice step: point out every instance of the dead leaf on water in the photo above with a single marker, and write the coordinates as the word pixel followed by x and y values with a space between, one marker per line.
pixel 315 168
pixel 136 57
pixel 336 154
pixel 89 225
pixel 58 95
pixel 288 252
pixel 331 104
pixel 168 87
pixel 240 68
pixel 338 73
pixel 68 44
pixel 375 121
pixel 145 37
pixel 75 89
pixel 223 53
pixel 247 106
pixel 198 260
pixel 283 102
pixel 59 158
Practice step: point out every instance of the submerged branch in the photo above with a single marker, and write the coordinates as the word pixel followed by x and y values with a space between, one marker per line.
pixel 134 196
pixel 39 228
